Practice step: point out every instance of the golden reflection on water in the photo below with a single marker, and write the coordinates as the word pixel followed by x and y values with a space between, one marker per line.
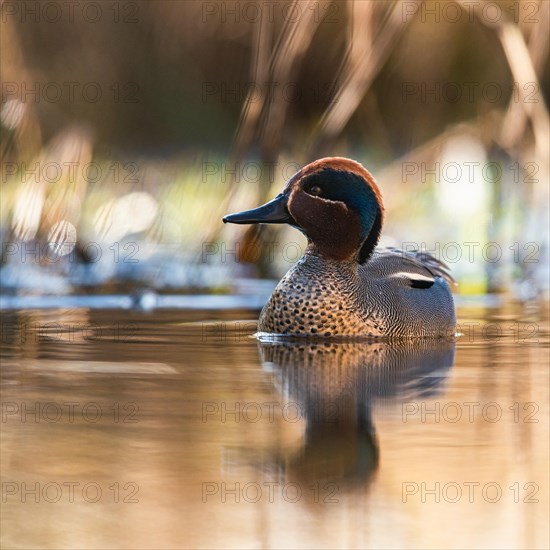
pixel 126 430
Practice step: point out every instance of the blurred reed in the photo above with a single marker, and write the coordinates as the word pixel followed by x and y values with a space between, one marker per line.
pixel 162 170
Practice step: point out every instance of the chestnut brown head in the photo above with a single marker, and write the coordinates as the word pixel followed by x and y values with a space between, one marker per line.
pixel 334 201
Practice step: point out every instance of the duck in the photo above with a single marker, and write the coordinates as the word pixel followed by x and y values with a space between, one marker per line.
pixel 344 285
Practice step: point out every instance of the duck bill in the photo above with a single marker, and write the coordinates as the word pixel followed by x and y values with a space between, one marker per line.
pixel 274 211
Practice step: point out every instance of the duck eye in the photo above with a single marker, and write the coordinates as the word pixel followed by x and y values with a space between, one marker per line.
pixel 315 190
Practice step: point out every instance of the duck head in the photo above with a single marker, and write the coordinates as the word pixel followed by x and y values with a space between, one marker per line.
pixel 334 201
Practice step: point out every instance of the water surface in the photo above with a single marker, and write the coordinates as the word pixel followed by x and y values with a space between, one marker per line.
pixel 177 429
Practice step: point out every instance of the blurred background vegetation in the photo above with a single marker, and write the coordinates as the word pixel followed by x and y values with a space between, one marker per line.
pixel 130 128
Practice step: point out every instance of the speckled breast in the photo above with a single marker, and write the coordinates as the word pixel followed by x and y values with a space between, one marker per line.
pixel 302 306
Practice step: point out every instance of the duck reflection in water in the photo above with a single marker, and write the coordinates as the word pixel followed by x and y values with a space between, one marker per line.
pixel 336 386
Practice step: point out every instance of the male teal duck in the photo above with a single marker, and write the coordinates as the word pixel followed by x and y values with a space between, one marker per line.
pixel 343 285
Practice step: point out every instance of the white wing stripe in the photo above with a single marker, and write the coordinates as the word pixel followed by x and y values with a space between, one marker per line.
pixel 413 276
